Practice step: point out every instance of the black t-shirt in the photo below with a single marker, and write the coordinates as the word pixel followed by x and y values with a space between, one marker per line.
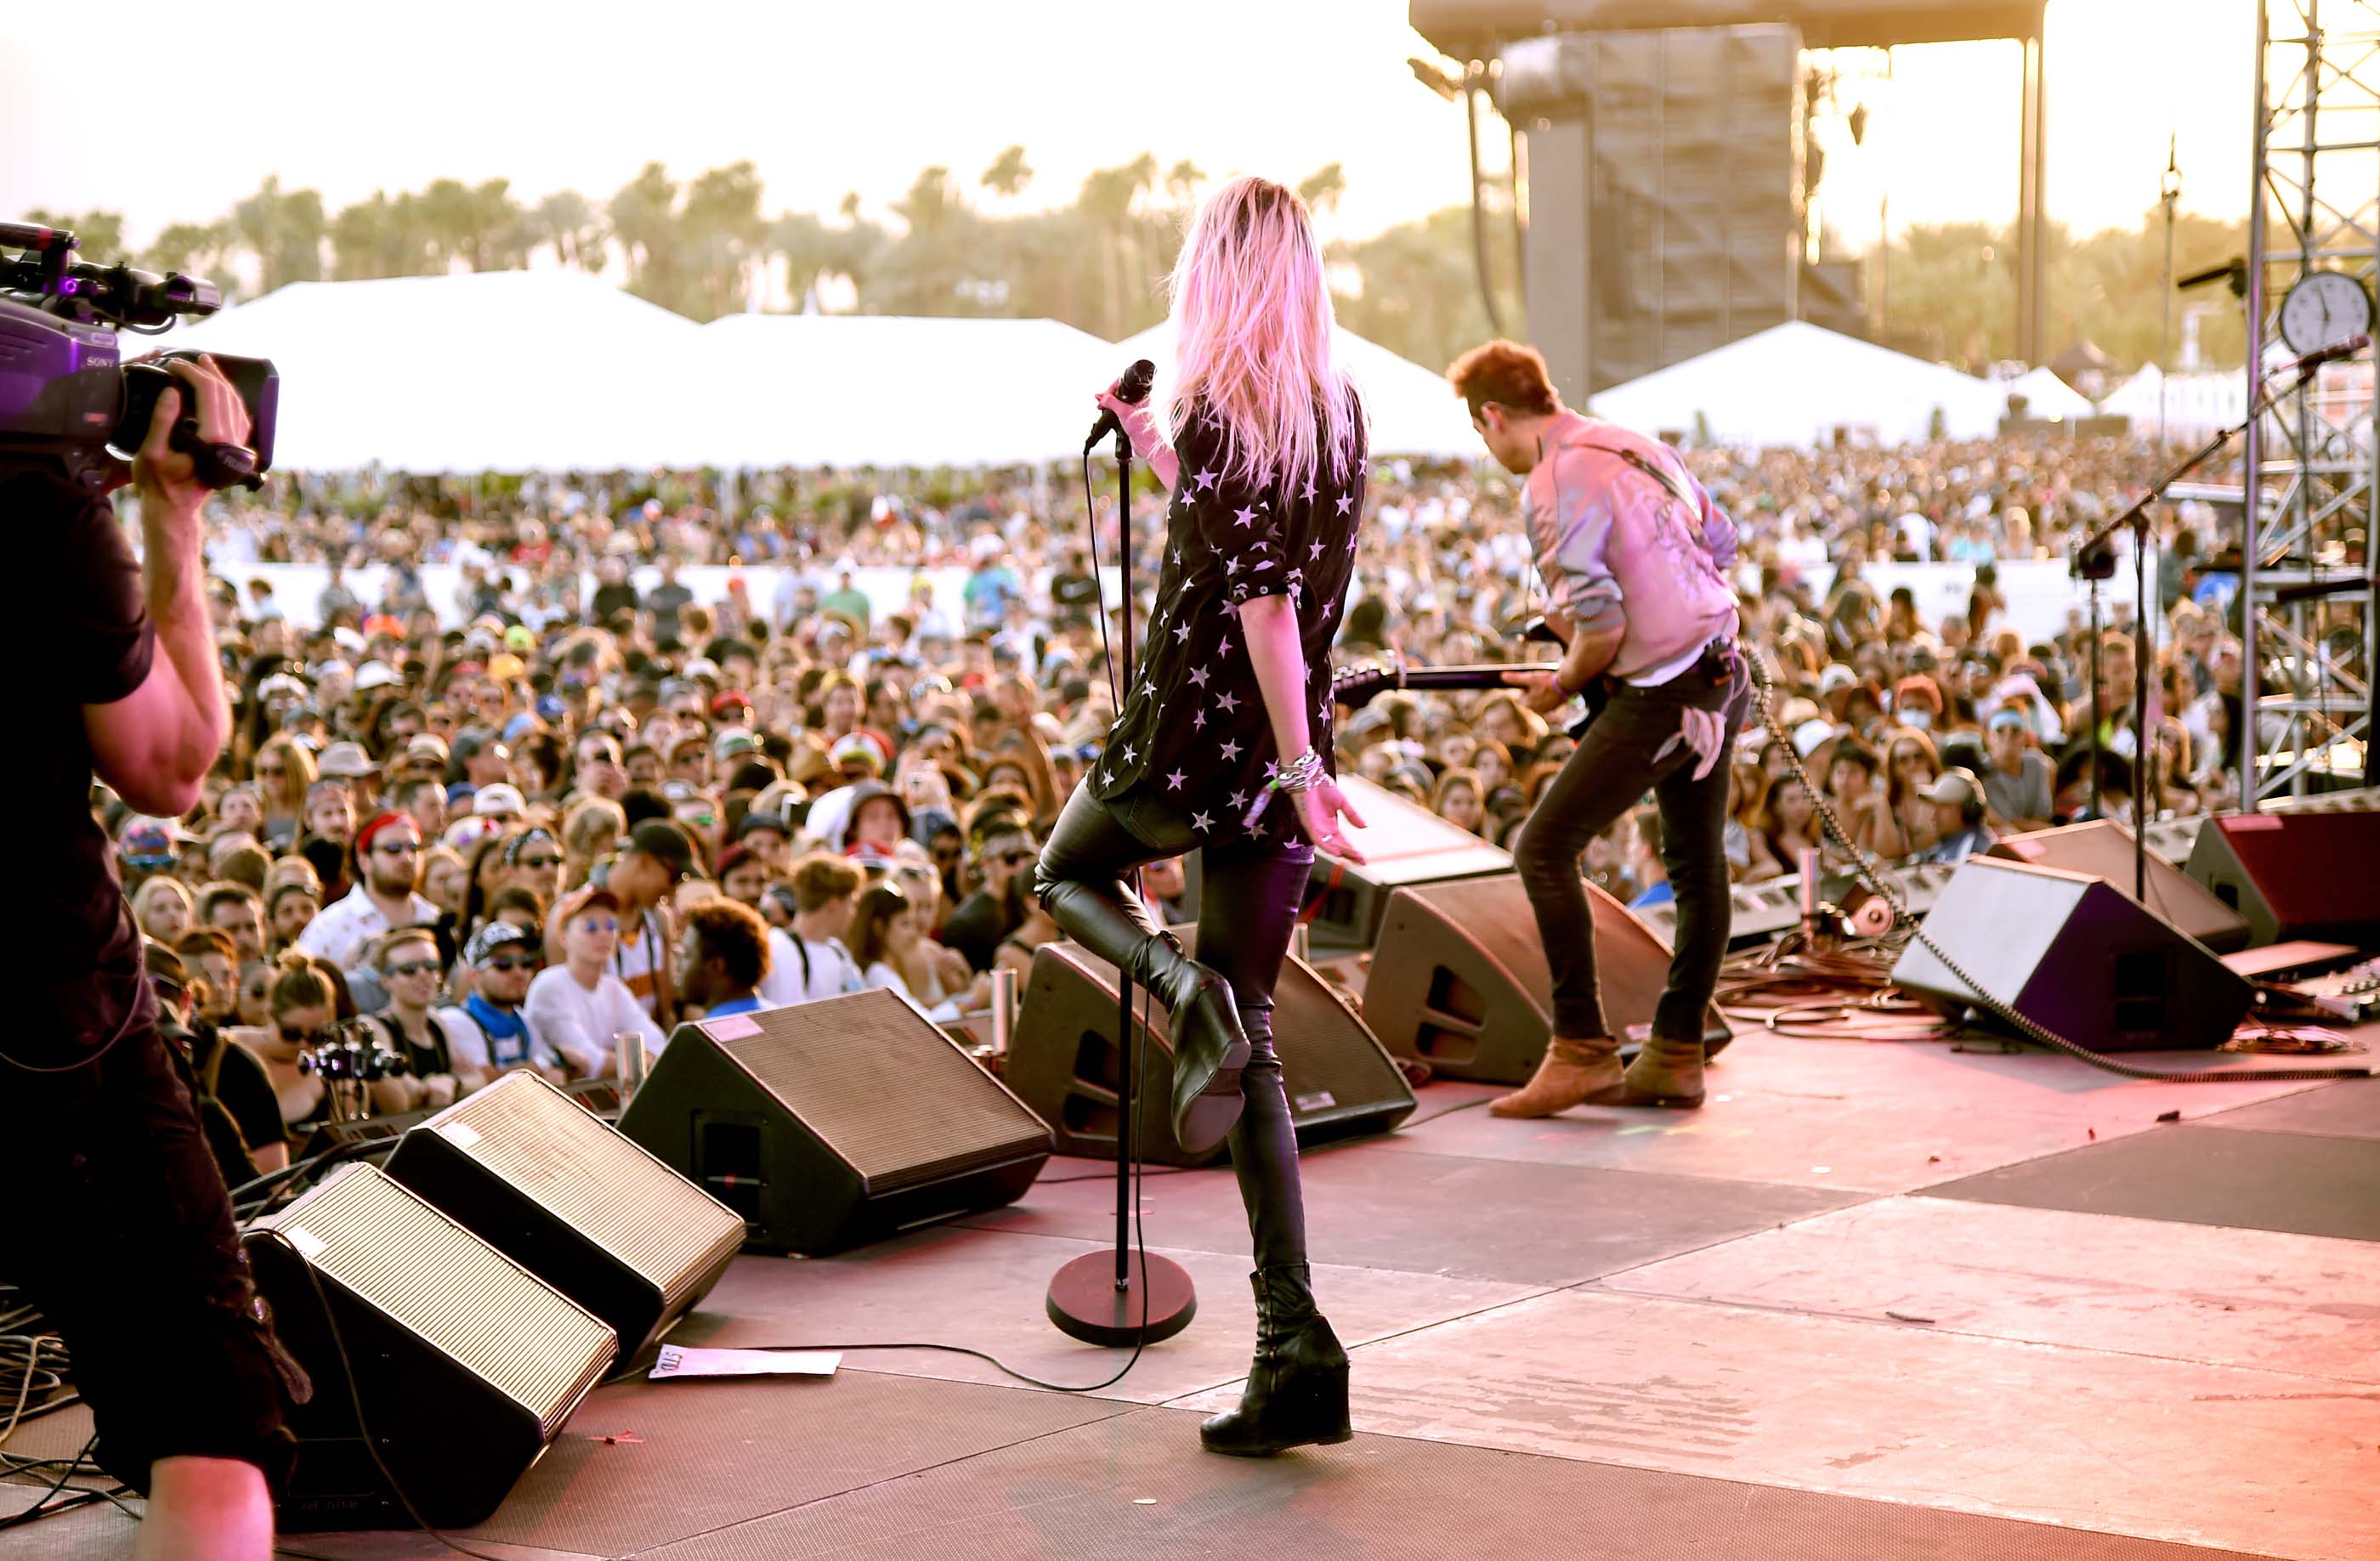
pixel 1194 733
pixel 1073 594
pixel 87 622
pixel 667 600
pixel 620 597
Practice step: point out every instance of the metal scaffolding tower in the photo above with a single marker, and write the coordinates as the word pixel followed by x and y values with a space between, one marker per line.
pixel 2306 553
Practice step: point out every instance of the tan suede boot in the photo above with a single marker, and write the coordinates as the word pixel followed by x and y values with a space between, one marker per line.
pixel 1666 1072
pixel 1573 1073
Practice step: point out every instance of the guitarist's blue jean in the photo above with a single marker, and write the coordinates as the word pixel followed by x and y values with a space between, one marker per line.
pixel 1636 744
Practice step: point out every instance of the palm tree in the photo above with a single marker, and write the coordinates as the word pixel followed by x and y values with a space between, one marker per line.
pixel 1182 182
pixel 1008 175
pixel 722 230
pixel 284 229
pixel 571 223
pixel 644 218
pixel 1321 189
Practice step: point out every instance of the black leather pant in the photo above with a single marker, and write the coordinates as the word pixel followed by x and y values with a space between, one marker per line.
pixel 1251 890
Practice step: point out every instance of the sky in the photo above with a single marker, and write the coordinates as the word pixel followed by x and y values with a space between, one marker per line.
pixel 827 98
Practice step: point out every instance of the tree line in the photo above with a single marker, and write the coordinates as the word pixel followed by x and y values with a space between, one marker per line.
pixel 702 246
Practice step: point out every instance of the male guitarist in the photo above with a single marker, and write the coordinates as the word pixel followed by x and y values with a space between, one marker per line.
pixel 1634 558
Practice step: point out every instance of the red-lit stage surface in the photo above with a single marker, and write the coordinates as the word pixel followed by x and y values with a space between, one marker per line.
pixel 1873 1301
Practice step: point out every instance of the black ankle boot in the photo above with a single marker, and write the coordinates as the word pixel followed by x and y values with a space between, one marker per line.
pixel 1209 1045
pixel 1297 1389
pixel 1203 1022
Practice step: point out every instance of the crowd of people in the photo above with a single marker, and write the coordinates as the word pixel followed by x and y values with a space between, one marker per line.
pixel 583 815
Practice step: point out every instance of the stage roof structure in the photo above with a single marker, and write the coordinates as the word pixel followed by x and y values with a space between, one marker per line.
pixel 1466 28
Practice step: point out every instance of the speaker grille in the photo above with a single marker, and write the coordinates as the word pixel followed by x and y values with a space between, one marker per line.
pixel 608 1188
pixel 375 1239
pixel 835 1063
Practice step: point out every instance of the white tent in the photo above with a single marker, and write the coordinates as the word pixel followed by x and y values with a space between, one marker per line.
pixel 487 372
pixel 1796 384
pixel 851 389
pixel 2046 395
pixel 1413 411
pixel 2196 404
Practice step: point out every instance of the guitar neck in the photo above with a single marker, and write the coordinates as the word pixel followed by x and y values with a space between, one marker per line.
pixel 1361 686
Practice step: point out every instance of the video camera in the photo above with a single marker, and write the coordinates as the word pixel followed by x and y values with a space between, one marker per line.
pixel 67 398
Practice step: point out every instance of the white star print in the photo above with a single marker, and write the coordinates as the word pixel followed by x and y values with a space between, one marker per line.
pixel 1177 558
pixel 1107 777
pixel 1224 650
pixel 1309 490
pixel 1128 756
pixel 1239 801
pixel 1207 479
pixel 1322 711
pixel 1315 552
pixel 1247 516
pixel 1231 750
pixel 1344 501
pixel 1182 632
pixel 1173 782
pixel 1199 676
pixel 1231 566
pixel 1258 831
pixel 1201 822
pixel 1230 702
pixel 1271 769
pixel 1199 720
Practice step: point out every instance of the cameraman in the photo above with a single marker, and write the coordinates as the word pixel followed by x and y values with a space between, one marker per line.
pixel 137 1263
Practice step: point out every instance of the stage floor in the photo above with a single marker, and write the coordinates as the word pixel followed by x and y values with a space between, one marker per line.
pixel 1890 1301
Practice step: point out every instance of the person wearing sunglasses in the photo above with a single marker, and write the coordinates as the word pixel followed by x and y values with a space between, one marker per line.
pixel 579 1006
pixel 980 922
pixel 489 1031
pixel 408 966
pixel 387 857
pixel 533 861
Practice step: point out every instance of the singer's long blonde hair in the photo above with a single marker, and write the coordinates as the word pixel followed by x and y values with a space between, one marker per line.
pixel 1252 324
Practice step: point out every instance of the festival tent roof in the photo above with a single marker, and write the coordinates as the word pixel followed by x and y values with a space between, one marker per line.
pixel 1796 383
pixel 850 389
pixel 1413 411
pixel 2046 395
pixel 486 371
pixel 2194 403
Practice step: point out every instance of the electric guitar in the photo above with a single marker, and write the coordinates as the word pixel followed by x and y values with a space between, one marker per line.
pixel 1358 686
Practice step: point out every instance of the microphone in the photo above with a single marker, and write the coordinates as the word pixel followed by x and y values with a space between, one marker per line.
pixel 2321 356
pixel 1131 390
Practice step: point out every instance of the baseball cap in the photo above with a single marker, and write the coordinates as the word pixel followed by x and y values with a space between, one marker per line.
pixel 504 666
pixel 665 842
pixel 500 798
pixel 1953 787
pixel 2007 715
pixel 520 637
pixel 346 760
pixel 282 683
pixel 493 937
pixel 858 748
pixel 732 741
pixel 757 820
pixel 147 844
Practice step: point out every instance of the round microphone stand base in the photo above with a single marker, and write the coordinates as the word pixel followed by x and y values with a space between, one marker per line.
pixel 1158 1303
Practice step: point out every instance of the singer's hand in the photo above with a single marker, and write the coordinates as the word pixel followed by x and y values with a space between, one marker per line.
pixel 1139 422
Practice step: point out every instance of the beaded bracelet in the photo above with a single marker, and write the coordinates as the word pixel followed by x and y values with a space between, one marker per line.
pixel 1298 775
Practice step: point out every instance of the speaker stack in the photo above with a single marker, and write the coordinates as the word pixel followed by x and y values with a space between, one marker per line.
pixel 2074 955
pixel 832 1123
pixel 1460 979
pixel 465 1364
pixel 1064 1061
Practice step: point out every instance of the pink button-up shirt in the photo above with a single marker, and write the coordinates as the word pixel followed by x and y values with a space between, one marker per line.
pixel 1626 537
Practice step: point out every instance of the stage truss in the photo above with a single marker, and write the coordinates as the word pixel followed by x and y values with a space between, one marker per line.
pixel 2311 464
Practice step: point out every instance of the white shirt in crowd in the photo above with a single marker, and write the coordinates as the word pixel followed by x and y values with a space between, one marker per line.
pixel 800 970
pixel 579 1024
pixel 467 1043
pixel 941 1010
pixel 347 927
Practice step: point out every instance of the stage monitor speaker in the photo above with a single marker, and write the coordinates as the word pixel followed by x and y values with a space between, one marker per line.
pixel 1404 844
pixel 2102 848
pixel 2295 875
pixel 2074 955
pixel 566 1196
pixel 1062 1062
pixel 832 1123
pixel 465 1363
pixel 1460 978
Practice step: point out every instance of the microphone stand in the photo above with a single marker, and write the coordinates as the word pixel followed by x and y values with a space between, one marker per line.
pixel 2136 519
pixel 1088 1299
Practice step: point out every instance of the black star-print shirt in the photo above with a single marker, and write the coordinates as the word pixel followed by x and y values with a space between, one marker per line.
pixel 1194 733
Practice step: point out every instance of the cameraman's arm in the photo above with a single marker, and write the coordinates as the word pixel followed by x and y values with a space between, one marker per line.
pixel 156 745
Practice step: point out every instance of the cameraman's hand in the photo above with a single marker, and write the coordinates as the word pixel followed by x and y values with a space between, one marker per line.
pixel 168 477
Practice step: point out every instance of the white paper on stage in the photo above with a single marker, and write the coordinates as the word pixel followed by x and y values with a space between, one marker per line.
pixel 685 1361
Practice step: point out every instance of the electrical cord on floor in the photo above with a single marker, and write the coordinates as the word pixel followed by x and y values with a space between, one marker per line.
pixel 1866 869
